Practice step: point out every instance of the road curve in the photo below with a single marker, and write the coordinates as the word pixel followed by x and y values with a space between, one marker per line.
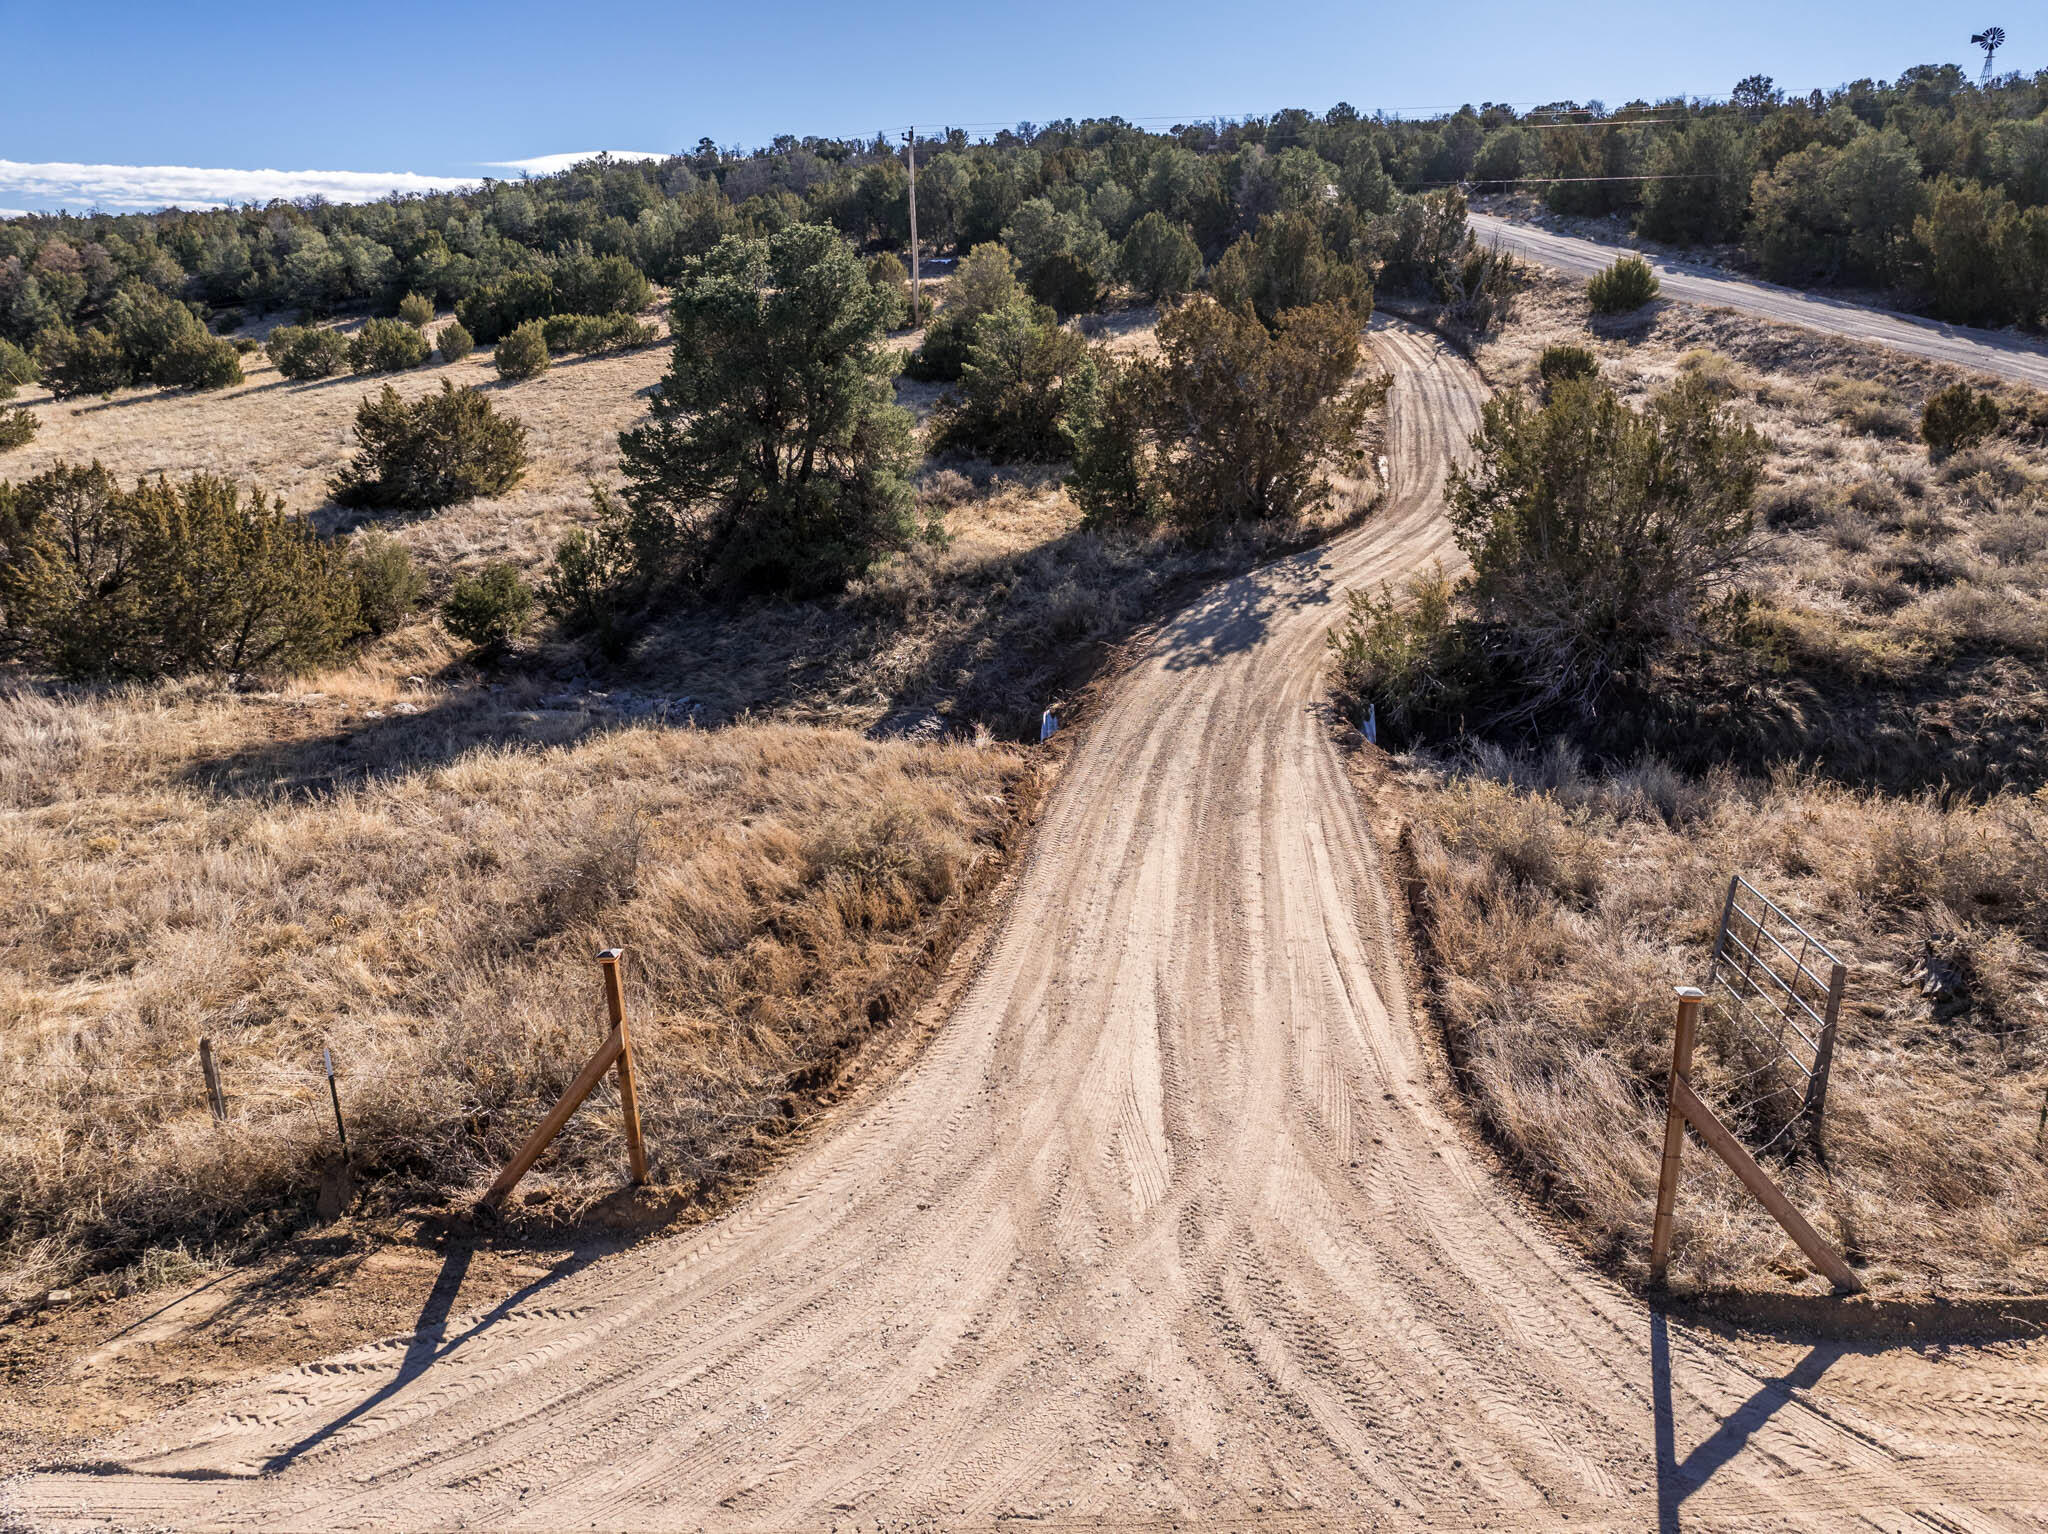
pixel 1167 1226
pixel 2004 353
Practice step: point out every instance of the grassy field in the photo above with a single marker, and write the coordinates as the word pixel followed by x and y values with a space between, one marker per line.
pixel 1863 741
pixel 779 809
pixel 433 923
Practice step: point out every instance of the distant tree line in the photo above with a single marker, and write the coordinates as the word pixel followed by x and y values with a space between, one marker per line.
pixel 1927 184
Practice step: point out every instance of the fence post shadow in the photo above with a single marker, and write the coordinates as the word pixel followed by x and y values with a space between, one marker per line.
pixel 1678 1479
pixel 429 1342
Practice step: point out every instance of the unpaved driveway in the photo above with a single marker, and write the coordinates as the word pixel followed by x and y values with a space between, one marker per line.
pixel 1167 1227
pixel 2003 352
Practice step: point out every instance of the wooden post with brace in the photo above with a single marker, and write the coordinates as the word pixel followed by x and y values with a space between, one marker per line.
pixel 616 1050
pixel 1686 1107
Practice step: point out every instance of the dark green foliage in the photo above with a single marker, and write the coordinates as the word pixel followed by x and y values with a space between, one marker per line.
pixel 1597 532
pixel 1984 261
pixel 387 346
pixel 387 587
pixel 489 609
pixel 1842 178
pixel 1160 258
pixel 774 457
pixel 200 361
pixel 567 333
pixel 1233 422
pixel 1505 155
pixel 1624 287
pixel 444 447
pixel 1256 416
pixel 151 329
pixel 1699 191
pixel 17 367
pixel 1423 242
pixel 1562 362
pixel 985 282
pixel 595 577
pixel 1955 418
pixel 17 428
pixel 1112 433
pixel 454 342
pixel 599 285
pixel 523 353
pixel 1024 378
pixel 416 310
pixel 1287 265
pixel 304 352
pixel 1066 284
pixel 167 579
pixel 1039 231
pixel 82 362
pixel 500 307
pixel 890 278
pixel 1828 214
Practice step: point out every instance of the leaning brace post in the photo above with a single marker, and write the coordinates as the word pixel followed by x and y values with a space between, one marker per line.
pixel 580 1088
pixel 1689 998
pixel 1731 1150
pixel 629 1097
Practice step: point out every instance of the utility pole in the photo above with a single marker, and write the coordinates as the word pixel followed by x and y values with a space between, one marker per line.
pixel 916 287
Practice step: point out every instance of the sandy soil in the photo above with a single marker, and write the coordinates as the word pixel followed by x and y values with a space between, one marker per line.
pixel 1170 1225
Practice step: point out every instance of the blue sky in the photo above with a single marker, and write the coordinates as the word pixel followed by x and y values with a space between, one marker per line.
pixel 443 92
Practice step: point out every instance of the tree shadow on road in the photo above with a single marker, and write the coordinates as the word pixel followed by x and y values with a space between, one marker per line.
pixel 1235 616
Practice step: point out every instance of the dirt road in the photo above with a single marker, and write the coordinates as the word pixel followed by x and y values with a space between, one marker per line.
pixel 1168 1226
pixel 2005 353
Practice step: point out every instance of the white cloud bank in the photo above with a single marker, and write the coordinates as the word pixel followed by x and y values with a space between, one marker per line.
pixel 548 164
pixel 57 184
pixel 61 184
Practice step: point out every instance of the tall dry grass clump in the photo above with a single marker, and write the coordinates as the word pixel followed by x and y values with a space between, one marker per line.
pixel 1558 907
pixel 432 921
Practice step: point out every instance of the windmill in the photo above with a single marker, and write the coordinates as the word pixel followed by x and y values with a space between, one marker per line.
pixel 1990 40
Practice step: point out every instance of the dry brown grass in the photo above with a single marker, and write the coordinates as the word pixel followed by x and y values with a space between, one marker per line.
pixel 1896 640
pixel 1558 908
pixel 412 862
pixel 289 437
pixel 1016 612
pixel 1897 627
pixel 433 923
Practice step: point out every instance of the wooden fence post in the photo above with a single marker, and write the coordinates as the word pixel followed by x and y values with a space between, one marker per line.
pixel 1689 999
pixel 629 1097
pixel 214 1099
pixel 617 1050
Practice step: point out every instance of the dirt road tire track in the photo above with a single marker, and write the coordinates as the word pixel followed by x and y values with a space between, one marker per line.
pixel 1168 1226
